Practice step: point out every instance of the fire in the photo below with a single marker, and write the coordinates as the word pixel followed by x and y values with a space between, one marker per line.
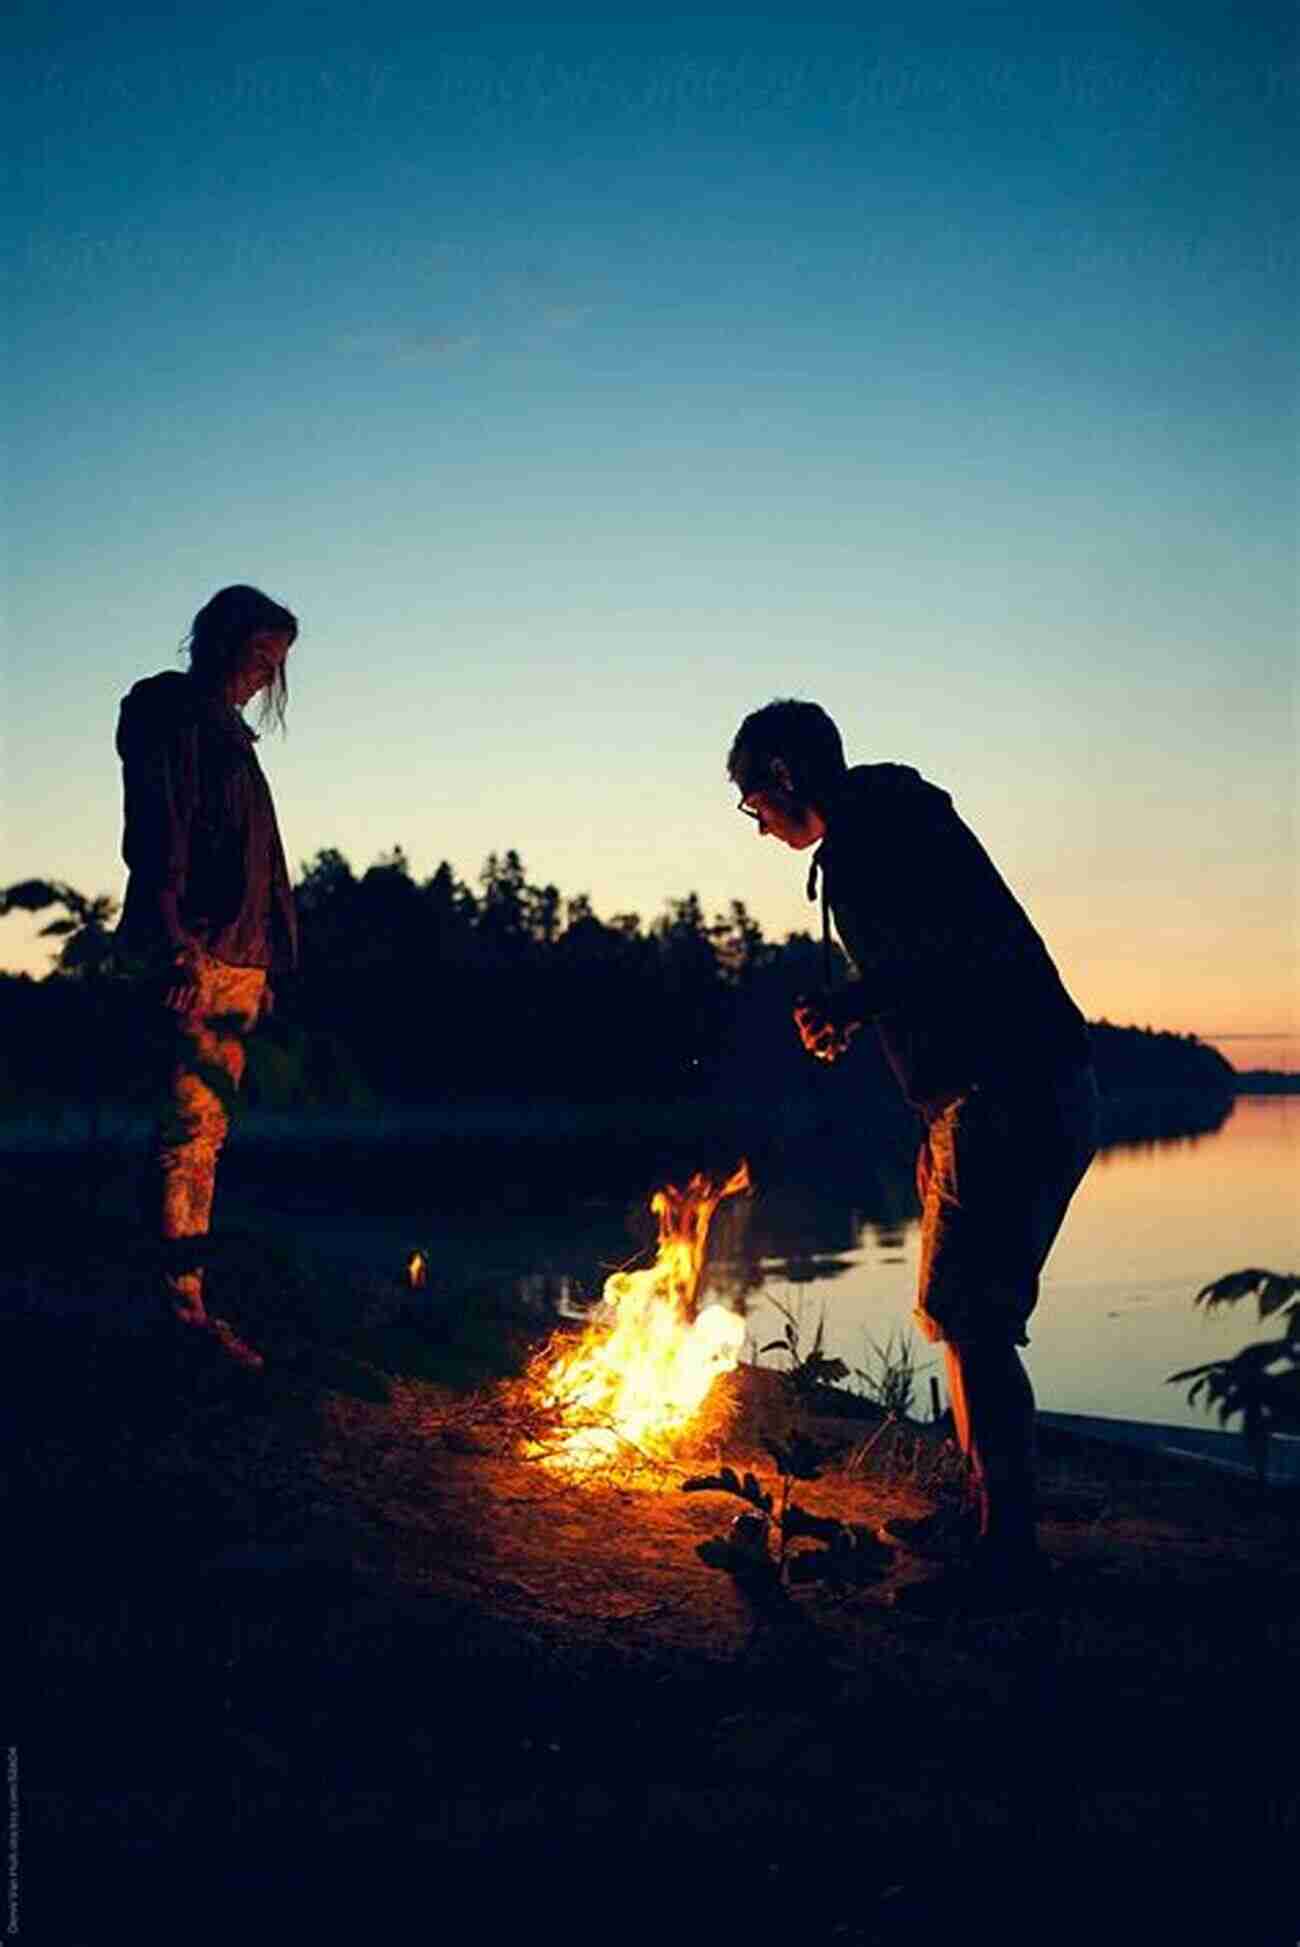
pixel 646 1363
pixel 417 1270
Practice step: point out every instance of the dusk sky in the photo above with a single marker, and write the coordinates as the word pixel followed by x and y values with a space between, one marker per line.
pixel 584 381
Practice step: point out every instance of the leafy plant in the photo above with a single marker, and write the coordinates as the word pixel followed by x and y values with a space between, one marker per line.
pixel 1260 1385
pixel 845 1556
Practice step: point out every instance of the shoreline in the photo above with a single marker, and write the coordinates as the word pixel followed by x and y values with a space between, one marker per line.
pixel 56 1127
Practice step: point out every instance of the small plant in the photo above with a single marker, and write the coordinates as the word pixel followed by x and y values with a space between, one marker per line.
pixel 811 1372
pixel 1260 1385
pixel 897 1447
pixel 845 1556
pixel 890 1381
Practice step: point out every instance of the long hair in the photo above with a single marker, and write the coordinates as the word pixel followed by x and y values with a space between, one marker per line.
pixel 218 634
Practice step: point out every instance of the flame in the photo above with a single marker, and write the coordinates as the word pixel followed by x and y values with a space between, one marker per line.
pixel 417 1269
pixel 647 1361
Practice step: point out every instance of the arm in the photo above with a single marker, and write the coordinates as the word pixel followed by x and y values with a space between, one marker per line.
pixel 159 786
pixel 896 932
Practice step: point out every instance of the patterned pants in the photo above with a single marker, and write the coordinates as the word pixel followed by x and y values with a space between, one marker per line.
pixel 206 1071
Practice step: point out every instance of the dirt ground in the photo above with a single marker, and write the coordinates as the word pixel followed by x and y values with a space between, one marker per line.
pixel 437 1504
pixel 346 1665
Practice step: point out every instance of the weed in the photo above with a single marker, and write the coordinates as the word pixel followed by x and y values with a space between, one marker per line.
pixel 890 1380
pixel 811 1374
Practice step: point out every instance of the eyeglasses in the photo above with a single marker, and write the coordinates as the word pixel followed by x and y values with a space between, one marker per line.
pixel 748 811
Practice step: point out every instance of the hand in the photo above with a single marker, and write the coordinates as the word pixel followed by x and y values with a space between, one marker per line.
pixel 822 1035
pixel 181 981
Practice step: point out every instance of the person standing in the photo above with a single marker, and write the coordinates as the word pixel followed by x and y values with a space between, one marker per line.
pixel 208 916
pixel 991 1051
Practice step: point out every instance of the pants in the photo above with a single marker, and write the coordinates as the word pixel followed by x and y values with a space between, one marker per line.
pixel 205 1072
pixel 995 1175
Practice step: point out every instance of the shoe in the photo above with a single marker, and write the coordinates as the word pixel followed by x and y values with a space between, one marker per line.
pixel 221 1336
pixel 983 1586
pixel 947 1535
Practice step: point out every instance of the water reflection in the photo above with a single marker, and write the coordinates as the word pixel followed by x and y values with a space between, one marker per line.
pixel 823 1217
pixel 1125 1149
pixel 1138 1121
pixel 834 1226
pixel 1152 1222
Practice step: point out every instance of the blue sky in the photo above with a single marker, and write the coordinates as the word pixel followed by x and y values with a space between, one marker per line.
pixel 582 383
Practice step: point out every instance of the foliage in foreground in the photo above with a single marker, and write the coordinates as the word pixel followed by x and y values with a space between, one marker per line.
pixel 843 1556
pixel 1260 1385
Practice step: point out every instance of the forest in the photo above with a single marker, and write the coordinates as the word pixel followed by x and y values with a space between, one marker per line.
pixel 413 992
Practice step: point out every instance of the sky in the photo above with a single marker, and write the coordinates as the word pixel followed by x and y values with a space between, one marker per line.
pixel 584 381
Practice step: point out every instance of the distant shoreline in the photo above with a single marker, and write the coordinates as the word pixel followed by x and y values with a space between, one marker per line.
pixel 1266 1081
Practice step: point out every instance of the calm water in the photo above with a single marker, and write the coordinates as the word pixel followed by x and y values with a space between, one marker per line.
pixel 1147 1228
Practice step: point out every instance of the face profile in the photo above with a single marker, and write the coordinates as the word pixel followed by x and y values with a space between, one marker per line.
pixel 776 809
pixel 787 761
pixel 258 664
pixel 778 816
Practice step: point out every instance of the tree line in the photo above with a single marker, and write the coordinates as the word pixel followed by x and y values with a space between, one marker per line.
pixel 411 991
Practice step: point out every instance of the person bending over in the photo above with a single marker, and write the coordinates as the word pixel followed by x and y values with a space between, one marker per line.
pixel 208 914
pixel 991 1051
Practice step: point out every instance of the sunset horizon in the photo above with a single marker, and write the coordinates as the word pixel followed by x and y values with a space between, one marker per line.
pixel 582 386
pixel 664 1235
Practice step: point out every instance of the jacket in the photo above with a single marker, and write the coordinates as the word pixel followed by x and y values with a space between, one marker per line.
pixel 960 987
pixel 199 822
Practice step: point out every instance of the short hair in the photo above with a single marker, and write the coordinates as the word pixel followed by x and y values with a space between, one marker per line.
pixel 802 736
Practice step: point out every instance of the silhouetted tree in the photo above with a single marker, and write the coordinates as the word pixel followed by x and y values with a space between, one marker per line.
pixel 87 943
pixel 84 955
pixel 430 991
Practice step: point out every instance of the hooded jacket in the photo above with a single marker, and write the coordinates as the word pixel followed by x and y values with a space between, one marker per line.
pixel 199 822
pixel 959 985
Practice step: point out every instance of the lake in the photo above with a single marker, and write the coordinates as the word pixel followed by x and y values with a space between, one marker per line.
pixel 1149 1226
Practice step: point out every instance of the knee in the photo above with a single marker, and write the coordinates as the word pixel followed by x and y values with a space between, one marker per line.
pixel 991 1358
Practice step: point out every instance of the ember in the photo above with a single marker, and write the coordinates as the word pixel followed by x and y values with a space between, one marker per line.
pixel 644 1366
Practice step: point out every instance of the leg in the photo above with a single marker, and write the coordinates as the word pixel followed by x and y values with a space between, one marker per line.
pixel 206 1073
pixel 1000 1175
pixel 993 1409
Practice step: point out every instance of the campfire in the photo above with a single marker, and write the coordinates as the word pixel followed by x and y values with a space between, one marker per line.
pixel 640 1373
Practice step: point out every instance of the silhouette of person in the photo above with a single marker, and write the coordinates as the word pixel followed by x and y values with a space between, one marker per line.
pixel 208 914
pixel 989 1048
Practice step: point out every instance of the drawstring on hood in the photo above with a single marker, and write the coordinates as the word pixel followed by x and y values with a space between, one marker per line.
pixel 895 789
pixel 814 872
